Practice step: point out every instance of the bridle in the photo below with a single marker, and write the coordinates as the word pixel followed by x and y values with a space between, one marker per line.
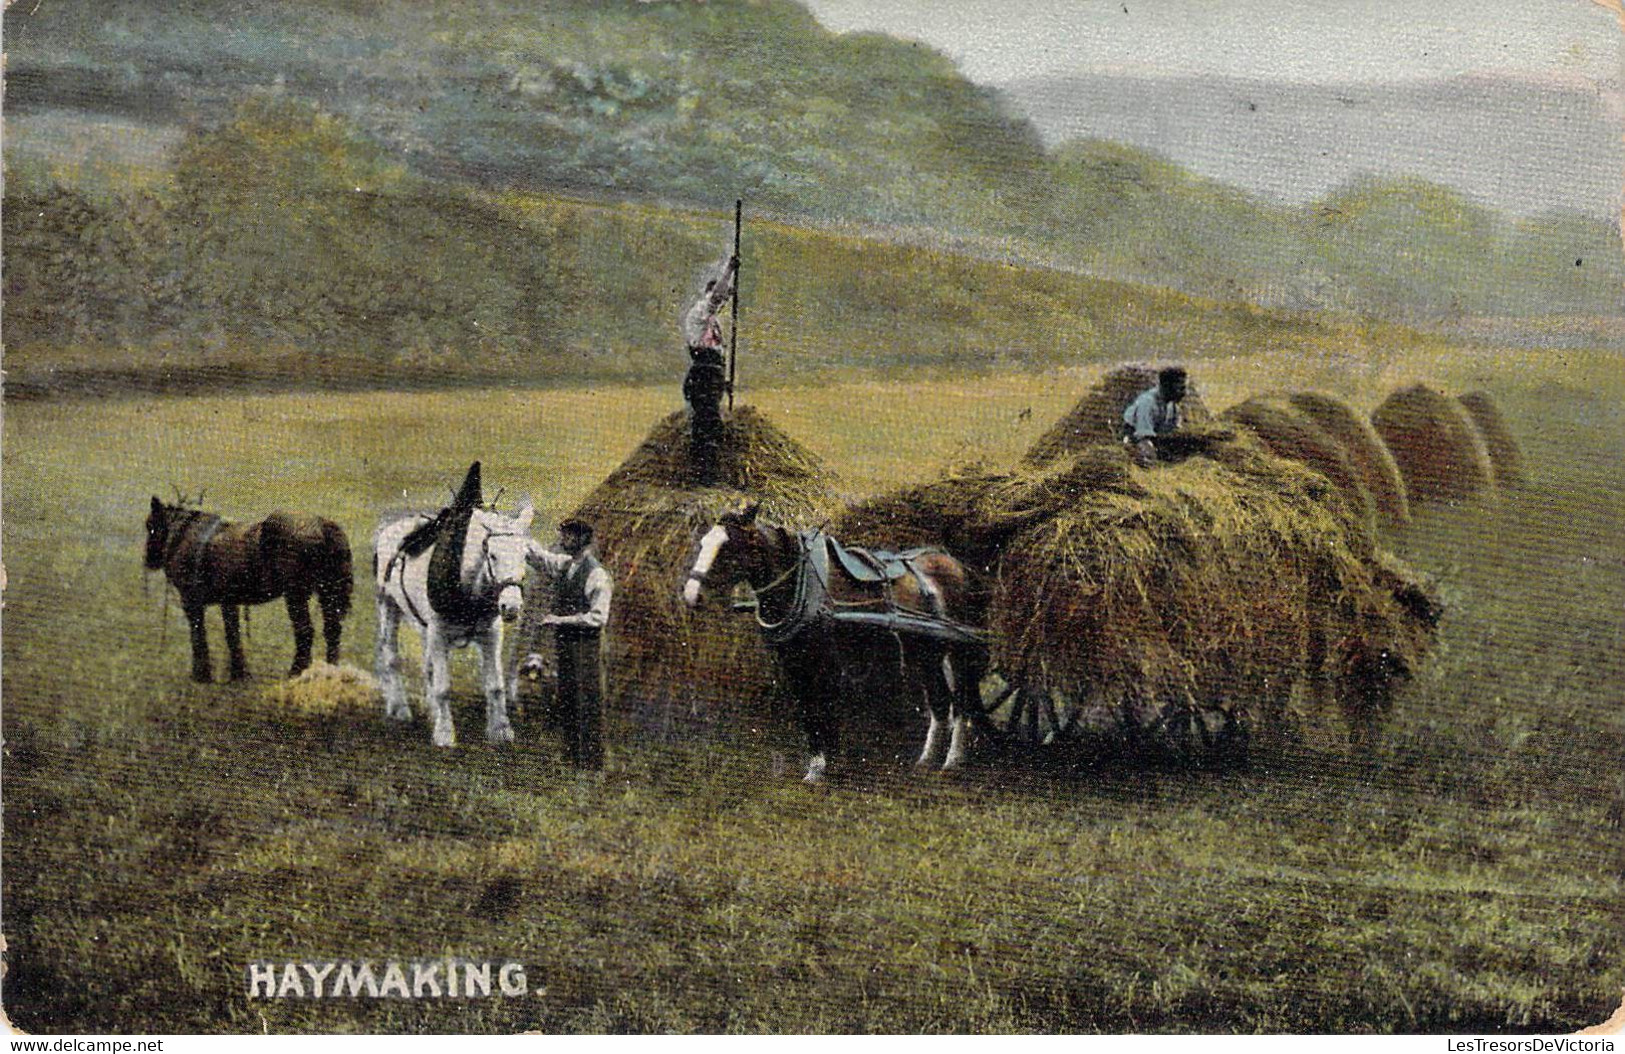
pixel 489 561
pixel 791 576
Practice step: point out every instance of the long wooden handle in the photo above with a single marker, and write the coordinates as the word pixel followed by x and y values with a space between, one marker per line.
pixel 733 324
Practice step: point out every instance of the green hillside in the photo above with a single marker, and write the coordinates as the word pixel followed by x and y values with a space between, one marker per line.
pixel 292 250
pixel 372 191
pixel 702 102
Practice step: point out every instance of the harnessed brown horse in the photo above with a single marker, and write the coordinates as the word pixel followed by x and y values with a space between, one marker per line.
pixel 828 612
pixel 210 560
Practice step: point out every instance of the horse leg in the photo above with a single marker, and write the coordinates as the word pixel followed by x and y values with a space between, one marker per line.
pixel 937 707
pixel 437 683
pixel 818 694
pixel 234 642
pixel 387 662
pixel 962 672
pixel 497 728
pixel 333 611
pixel 304 634
pixel 200 643
pixel 933 739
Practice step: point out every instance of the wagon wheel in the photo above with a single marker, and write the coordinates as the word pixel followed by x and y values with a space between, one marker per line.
pixel 1009 694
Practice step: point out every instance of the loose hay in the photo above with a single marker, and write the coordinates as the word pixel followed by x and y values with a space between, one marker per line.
pixel 1098 416
pixel 1365 451
pixel 1294 436
pixel 1505 457
pixel 1179 609
pixel 665 661
pixel 1435 444
pixel 324 690
pixel 972 510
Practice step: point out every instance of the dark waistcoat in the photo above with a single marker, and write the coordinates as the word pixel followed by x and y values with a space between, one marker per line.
pixel 570 588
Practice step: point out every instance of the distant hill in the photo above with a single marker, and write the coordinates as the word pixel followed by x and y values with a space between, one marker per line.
pixel 144 117
pixel 1519 146
pixel 698 102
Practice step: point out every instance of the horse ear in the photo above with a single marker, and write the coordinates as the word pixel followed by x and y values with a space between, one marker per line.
pixel 157 506
pixel 526 513
pixel 468 496
pixel 748 516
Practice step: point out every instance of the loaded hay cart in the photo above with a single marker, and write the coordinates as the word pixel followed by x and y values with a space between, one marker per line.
pixel 1184 610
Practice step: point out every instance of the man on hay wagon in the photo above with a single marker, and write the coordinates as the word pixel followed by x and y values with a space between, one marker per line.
pixel 1152 419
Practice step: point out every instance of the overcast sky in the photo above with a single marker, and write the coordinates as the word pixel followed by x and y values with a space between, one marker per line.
pixel 1299 40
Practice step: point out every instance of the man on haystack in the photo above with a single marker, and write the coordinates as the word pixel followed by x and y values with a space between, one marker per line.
pixel 1154 413
pixel 579 610
pixel 707 379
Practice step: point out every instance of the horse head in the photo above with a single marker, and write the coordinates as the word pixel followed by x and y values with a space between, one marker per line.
pixel 494 557
pixel 158 534
pixel 738 547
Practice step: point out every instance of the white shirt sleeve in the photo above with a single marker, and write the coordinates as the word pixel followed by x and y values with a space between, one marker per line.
pixel 547 560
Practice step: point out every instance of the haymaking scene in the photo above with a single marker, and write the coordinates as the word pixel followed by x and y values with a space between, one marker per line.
pixel 761 516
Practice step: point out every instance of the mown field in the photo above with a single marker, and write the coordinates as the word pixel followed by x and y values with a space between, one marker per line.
pixel 159 836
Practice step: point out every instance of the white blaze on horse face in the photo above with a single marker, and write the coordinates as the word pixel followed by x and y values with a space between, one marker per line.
pixel 501 557
pixel 710 545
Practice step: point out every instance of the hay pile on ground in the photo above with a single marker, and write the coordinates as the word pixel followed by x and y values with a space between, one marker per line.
pixel 1098 416
pixel 1505 457
pixel 663 660
pixel 324 690
pixel 1434 442
pixel 1365 450
pixel 1179 609
pixel 1292 435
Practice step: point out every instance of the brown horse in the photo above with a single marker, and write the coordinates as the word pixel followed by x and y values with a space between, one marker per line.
pixel 830 614
pixel 210 560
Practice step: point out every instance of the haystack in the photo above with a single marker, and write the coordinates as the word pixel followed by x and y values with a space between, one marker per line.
pixel 324 690
pixel 1292 435
pixel 1365 451
pixel 1505 457
pixel 1098 416
pixel 1178 609
pixel 1435 444
pixel 664 660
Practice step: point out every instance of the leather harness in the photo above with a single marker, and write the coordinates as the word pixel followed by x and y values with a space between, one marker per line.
pixel 812 602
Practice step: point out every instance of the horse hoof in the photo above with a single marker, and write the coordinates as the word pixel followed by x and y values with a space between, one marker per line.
pixel 202 677
pixel 499 735
pixel 401 714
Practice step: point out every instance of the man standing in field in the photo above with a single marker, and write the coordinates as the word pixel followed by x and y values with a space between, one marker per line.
pixel 707 379
pixel 1153 413
pixel 580 609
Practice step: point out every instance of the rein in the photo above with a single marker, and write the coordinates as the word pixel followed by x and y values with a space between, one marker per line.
pixel 805 603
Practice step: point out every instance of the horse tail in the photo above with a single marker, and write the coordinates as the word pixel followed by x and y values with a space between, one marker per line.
pixel 332 572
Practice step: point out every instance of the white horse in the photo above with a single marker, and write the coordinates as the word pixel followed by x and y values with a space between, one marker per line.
pixel 493 569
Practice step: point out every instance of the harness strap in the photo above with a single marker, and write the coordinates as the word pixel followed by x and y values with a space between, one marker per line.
pixel 210 529
pixel 497 586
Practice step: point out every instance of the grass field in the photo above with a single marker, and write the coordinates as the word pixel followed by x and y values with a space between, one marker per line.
pixel 160 836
